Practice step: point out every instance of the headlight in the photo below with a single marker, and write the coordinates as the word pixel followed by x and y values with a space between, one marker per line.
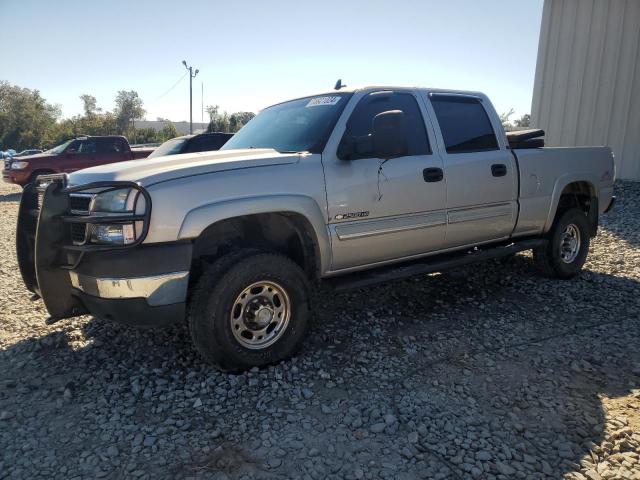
pixel 115 201
pixel 19 165
pixel 118 214
pixel 122 201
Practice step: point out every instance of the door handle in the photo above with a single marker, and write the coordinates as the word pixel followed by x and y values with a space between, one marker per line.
pixel 432 174
pixel 498 170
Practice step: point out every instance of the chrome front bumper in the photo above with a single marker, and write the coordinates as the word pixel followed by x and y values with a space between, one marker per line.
pixel 157 290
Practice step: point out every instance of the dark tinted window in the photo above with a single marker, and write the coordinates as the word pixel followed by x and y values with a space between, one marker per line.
pixel 361 120
pixel 86 146
pixel 206 143
pixel 464 124
pixel 109 145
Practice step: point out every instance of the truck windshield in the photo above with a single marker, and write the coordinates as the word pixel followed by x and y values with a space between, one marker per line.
pixel 302 125
pixel 60 148
pixel 170 147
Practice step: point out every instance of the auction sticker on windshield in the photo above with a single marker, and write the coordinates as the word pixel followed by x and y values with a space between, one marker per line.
pixel 315 102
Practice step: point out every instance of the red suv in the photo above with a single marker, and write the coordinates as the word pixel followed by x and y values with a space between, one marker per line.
pixel 72 155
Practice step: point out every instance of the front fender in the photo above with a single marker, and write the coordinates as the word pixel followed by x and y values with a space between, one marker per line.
pixel 560 184
pixel 202 217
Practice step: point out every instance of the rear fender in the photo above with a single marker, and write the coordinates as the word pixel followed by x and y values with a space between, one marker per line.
pixel 560 185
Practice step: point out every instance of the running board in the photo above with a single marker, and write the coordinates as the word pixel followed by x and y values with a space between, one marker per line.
pixel 430 264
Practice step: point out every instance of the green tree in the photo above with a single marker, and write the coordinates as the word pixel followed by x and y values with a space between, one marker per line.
pixel 504 119
pixel 128 109
pixel 238 120
pixel 90 104
pixel 523 122
pixel 145 135
pixel 223 122
pixel 168 131
pixel 25 117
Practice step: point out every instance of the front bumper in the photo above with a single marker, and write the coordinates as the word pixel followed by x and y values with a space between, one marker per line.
pixel 143 285
pixel 15 176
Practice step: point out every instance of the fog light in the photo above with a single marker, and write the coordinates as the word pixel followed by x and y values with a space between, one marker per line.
pixel 119 234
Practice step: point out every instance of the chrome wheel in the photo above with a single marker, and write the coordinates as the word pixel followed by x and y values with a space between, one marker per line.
pixel 260 315
pixel 570 243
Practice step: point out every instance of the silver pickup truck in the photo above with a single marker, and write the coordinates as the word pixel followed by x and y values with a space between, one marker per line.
pixel 347 189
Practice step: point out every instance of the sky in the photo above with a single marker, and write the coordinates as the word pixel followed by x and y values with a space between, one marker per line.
pixel 251 54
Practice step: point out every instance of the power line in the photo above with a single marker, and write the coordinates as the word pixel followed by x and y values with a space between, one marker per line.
pixel 173 86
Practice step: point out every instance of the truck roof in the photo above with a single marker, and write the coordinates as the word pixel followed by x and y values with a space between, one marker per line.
pixel 388 87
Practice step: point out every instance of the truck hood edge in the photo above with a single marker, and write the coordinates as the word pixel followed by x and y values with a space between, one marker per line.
pixel 148 171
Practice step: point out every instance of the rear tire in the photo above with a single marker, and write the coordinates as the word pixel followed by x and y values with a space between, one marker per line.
pixel 249 309
pixel 568 246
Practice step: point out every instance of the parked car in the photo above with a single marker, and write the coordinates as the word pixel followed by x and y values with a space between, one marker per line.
pixel 202 142
pixel 24 153
pixel 349 188
pixel 72 155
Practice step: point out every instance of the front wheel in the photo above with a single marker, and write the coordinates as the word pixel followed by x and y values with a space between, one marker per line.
pixel 565 254
pixel 249 309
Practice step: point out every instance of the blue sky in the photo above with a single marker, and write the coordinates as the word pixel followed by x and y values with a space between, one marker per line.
pixel 254 53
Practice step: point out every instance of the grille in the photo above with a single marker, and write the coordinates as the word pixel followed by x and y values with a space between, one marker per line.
pixel 80 203
pixel 78 233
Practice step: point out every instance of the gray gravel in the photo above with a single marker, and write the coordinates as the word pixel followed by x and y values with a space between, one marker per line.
pixel 489 372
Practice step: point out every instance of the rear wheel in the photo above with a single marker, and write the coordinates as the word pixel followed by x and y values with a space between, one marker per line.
pixel 249 309
pixel 565 254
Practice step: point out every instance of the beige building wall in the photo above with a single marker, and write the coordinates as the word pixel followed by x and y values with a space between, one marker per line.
pixel 587 83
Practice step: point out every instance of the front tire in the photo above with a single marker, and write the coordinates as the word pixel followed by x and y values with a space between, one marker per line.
pixel 568 247
pixel 249 309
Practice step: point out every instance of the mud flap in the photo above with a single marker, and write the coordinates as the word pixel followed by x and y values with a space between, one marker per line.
pixel 53 282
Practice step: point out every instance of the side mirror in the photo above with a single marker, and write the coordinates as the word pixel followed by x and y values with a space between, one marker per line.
pixel 389 135
pixel 352 147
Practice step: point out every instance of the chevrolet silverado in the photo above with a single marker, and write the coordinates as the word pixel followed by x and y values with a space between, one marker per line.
pixel 347 189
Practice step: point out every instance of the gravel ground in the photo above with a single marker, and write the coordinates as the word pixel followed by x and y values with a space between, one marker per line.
pixel 489 372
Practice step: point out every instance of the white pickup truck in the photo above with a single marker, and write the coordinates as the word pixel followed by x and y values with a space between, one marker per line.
pixel 347 188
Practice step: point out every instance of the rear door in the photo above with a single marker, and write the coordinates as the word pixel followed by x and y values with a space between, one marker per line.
pixel 110 150
pixel 481 174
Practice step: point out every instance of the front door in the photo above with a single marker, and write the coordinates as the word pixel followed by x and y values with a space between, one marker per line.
pixel 383 210
pixel 79 154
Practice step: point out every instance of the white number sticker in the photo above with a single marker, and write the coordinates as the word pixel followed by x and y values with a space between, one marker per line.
pixel 315 102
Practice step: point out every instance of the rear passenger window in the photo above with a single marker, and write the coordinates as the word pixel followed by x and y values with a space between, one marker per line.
pixel 361 120
pixel 464 124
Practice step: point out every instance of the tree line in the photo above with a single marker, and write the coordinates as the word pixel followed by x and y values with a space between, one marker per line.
pixel 27 120
pixel 518 124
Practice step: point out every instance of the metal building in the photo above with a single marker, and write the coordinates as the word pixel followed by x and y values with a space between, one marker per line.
pixel 587 83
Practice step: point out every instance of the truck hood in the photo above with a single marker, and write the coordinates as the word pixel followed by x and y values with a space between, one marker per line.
pixel 148 171
pixel 36 157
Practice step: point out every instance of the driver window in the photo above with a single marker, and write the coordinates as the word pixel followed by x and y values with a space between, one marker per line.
pixel 360 122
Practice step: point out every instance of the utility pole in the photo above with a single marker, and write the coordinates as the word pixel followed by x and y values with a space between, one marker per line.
pixel 192 75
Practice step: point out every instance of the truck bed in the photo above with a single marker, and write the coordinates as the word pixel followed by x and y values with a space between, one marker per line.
pixel 543 173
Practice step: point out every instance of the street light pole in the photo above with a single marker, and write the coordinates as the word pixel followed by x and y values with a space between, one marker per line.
pixel 192 75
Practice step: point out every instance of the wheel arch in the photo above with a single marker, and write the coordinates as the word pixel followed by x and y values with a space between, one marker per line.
pixel 576 190
pixel 290 224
